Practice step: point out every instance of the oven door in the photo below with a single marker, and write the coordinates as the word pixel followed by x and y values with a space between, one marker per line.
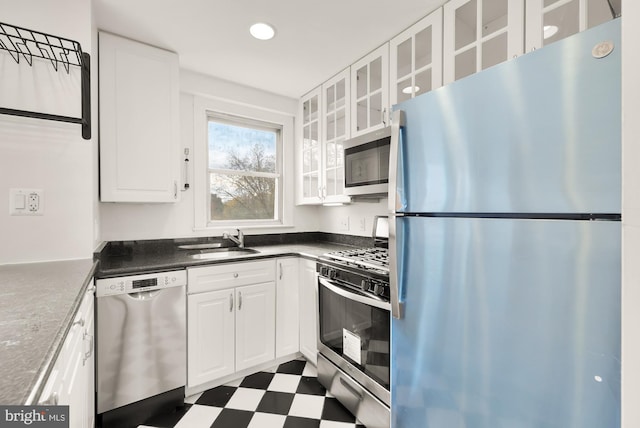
pixel 354 335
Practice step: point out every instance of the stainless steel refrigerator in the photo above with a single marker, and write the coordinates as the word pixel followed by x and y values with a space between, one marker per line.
pixel 505 239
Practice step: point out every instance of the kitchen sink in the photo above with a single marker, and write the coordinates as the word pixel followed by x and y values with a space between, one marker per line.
pixel 222 253
pixel 207 246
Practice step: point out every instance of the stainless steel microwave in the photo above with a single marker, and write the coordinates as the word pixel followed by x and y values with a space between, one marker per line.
pixel 366 164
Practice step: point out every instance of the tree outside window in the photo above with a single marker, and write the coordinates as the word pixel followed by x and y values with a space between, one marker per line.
pixel 244 169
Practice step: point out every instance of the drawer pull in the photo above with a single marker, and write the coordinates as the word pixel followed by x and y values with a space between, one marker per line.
pixel 235 274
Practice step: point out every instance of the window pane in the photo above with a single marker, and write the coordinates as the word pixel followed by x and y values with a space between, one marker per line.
pixel 241 197
pixel 241 148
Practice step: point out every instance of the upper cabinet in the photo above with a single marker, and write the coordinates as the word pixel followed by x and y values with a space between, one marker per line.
pixel 416 59
pixel 479 34
pixel 139 122
pixel 336 117
pixel 310 151
pixel 552 20
pixel 370 92
pixel 326 118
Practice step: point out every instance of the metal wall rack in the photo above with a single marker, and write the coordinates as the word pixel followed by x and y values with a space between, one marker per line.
pixel 22 43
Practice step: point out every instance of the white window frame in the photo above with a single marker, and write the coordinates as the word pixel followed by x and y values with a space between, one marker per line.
pixel 206 108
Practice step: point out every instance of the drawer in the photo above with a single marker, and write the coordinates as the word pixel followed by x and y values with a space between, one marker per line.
pixel 229 275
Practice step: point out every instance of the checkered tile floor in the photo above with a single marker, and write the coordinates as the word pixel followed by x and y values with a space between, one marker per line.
pixel 287 396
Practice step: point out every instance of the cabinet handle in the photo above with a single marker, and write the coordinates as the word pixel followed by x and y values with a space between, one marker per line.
pixel 231 302
pixel 239 300
pixel 175 189
pixel 235 274
pixel 384 116
pixel 80 322
pixel 88 354
pixel 280 266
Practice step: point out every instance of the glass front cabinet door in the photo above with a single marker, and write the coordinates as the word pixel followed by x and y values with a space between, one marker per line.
pixel 310 113
pixel 552 20
pixel 370 92
pixel 479 34
pixel 336 118
pixel 416 59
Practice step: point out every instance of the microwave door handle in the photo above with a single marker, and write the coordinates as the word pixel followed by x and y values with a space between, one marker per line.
pixel 397 123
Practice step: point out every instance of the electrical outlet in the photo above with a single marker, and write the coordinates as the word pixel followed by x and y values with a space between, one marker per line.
pixel 363 224
pixel 344 223
pixel 26 202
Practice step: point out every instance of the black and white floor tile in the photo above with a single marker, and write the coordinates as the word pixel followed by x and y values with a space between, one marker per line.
pixel 287 396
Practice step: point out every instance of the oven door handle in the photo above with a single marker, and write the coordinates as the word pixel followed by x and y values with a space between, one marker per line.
pixel 354 296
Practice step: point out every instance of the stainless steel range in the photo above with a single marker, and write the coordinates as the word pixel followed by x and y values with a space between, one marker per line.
pixel 354 324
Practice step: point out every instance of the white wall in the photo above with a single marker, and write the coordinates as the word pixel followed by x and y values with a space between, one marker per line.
pixel 630 214
pixel 121 221
pixel 41 154
pixel 354 219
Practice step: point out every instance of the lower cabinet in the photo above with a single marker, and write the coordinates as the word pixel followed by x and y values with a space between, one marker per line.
pixel 229 329
pixel 287 317
pixel 308 310
pixel 71 381
pixel 245 314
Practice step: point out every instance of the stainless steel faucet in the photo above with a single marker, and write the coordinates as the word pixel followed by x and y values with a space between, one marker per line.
pixel 239 240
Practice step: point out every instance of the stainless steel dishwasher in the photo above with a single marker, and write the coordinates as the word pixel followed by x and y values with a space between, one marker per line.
pixel 140 346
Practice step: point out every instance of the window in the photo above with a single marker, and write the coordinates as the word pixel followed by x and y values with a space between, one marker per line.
pixel 244 169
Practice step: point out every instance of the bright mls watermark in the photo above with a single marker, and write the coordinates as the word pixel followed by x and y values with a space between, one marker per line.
pixel 34 416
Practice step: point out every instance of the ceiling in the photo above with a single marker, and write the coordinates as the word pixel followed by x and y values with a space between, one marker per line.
pixel 314 39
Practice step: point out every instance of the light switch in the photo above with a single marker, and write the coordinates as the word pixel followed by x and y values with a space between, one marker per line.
pixel 19 201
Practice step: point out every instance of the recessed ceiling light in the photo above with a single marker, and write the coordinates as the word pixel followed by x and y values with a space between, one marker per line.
pixel 262 31
pixel 549 30
pixel 411 90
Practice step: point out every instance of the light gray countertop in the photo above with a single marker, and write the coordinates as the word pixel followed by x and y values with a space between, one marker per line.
pixel 37 304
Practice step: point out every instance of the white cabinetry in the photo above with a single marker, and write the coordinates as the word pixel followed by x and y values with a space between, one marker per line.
pixel 308 310
pixel 552 20
pixel 479 34
pixel 139 122
pixel 325 116
pixel 416 59
pixel 210 336
pixel 287 319
pixel 230 319
pixel 336 119
pixel 309 113
pixel 71 381
pixel 370 92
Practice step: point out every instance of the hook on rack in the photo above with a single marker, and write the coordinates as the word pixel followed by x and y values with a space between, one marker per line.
pixel 26 43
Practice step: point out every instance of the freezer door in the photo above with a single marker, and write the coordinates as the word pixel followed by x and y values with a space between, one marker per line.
pixel 507 323
pixel 537 134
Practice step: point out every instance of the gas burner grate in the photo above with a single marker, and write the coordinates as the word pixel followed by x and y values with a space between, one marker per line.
pixel 367 258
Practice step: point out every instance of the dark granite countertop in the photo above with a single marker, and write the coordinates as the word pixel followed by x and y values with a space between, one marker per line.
pixel 39 300
pixel 37 304
pixel 137 257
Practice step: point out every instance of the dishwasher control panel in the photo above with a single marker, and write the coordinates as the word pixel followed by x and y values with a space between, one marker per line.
pixel 139 283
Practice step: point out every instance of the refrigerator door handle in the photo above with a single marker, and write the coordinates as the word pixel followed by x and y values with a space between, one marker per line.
pixel 394 204
pixel 394 154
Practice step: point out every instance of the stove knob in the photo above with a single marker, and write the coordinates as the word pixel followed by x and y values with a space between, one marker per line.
pixel 365 284
pixel 323 270
pixel 332 274
pixel 377 289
